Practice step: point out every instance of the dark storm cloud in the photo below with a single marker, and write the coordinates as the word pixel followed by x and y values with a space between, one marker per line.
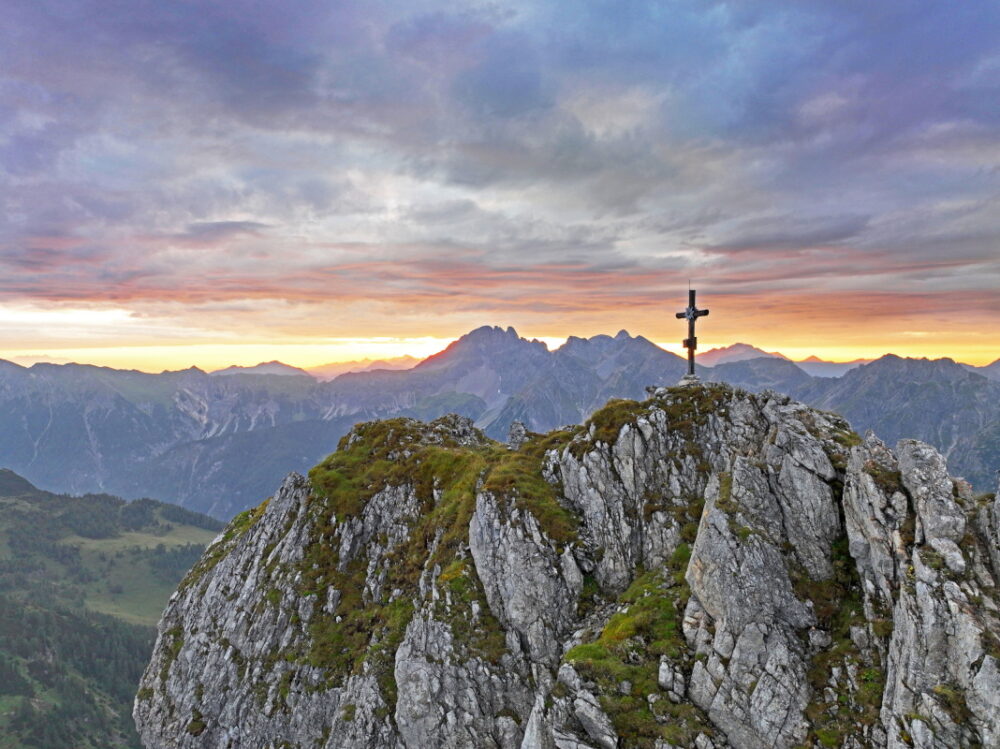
pixel 744 139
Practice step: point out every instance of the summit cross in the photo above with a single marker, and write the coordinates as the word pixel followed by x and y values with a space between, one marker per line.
pixel 692 313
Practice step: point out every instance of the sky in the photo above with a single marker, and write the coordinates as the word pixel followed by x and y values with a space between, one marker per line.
pixel 220 182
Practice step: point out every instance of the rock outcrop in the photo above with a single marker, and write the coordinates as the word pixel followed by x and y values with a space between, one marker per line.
pixel 708 568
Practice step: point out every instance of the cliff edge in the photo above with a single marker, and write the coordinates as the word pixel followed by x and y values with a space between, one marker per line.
pixel 708 568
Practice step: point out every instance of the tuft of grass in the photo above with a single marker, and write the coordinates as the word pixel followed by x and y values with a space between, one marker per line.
pixel 846 438
pixel 629 649
pixel 838 607
pixel 952 699
pixel 518 475
pixel 725 501
pixel 197 725
pixel 609 420
pixel 176 639
pixel 886 479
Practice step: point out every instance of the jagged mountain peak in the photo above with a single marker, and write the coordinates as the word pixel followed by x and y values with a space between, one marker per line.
pixel 603 341
pixel 734 352
pixel 919 368
pixel 486 341
pixel 491 332
pixel 704 568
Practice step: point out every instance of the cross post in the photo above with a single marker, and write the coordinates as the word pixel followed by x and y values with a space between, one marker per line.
pixel 692 313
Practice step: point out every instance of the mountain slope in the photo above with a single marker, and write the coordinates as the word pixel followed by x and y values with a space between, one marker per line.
pixel 582 375
pixel 220 443
pixel 82 428
pixel 762 373
pixel 990 371
pixel 82 581
pixel 705 568
pixel 937 401
pixel 817 367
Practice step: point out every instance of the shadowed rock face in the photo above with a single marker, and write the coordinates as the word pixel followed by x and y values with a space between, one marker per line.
pixel 708 568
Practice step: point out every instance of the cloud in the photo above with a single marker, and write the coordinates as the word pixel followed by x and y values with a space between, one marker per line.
pixel 213 231
pixel 782 234
pixel 489 159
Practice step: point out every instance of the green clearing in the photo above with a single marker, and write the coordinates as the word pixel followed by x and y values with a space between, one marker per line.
pixel 175 536
pixel 82 582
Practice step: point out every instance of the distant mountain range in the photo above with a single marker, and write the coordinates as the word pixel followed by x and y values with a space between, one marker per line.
pixel 812 365
pixel 220 442
pixel 323 371
pixel 335 369
pixel 736 352
pixel 264 368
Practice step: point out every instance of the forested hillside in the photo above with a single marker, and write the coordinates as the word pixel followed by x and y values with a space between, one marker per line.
pixel 82 582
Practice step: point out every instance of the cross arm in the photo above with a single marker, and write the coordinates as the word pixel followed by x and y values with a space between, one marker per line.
pixel 681 315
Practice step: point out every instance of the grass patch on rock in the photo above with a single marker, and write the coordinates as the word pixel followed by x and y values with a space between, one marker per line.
pixel 627 651
pixel 838 608
pixel 444 474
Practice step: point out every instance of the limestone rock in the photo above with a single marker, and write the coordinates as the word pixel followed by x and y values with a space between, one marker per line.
pixel 517 435
pixel 706 569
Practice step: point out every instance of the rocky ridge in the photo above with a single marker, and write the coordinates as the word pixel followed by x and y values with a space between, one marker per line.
pixel 708 568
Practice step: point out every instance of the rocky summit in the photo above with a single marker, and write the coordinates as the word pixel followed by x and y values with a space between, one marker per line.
pixel 707 568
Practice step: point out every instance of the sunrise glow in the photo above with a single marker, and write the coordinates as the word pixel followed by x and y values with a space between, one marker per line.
pixel 333 183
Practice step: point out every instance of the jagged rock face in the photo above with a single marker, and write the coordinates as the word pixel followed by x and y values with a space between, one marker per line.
pixel 708 568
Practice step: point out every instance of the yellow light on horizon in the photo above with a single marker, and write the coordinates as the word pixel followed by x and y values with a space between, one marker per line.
pixel 212 356
pixel 221 354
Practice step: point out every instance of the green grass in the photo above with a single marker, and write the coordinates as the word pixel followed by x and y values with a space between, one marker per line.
pixel 952 698
pixel 838 607
pixel 685 409
pixel 888 480
pixel 124 585
pixel 444 476
pixel 608 421
pixel 176 536
pixel 517 474
pixel 128 591
pixel 629 647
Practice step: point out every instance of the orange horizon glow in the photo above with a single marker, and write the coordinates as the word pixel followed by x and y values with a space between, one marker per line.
pixel 165 335
pixel 214 356
pixel 449 166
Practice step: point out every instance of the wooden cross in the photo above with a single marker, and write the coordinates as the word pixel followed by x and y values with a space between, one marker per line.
pixel 692 313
